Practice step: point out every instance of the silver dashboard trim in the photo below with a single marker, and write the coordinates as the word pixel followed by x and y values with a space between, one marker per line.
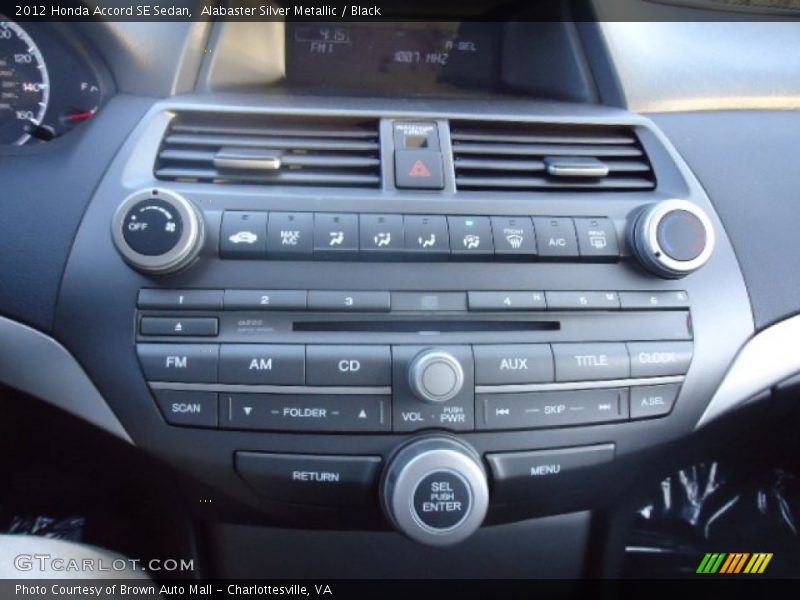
pixel 273 389
pixel 576 385
pixel 36 364
pixel 765 360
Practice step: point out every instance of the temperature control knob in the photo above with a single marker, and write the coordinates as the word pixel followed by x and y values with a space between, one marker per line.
pixel 434 490
pixel 157 231
pixel 672 238
pixel 435 376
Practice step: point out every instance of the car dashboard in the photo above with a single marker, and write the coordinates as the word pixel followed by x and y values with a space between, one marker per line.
pixel 400 299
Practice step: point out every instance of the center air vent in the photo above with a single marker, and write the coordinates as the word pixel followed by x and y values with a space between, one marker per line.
pixel 271 150
pixel 520 157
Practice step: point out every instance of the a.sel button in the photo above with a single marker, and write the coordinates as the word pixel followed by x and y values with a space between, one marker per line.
pixel 552 409
pixel 339 413
pixel 275 364
pixel 513 363
pixel 655 359
pixel 186 363
pixel 309 479
pixel 516 474
pixel 653 400
pixel 587 362
pixel 348 365
pixel 192 409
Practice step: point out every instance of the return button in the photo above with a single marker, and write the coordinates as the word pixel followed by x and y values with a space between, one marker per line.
pixel 310 479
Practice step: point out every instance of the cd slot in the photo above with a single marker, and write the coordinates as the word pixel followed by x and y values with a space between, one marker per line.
pixel 426 326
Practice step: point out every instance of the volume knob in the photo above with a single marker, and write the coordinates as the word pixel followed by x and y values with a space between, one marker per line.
pixel 672 238
pixel 157 231
pixel 435 376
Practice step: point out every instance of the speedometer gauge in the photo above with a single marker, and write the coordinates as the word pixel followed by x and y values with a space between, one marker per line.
pixel 24 84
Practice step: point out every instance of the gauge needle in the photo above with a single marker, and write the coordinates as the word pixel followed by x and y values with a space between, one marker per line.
pixel 80 116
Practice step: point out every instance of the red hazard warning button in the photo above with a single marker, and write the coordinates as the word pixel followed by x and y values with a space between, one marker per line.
pixel 418 169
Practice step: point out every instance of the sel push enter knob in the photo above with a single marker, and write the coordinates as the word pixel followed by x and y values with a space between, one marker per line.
pixel 672 238
pixel 157 231
pixel 434 491
pixel 435 376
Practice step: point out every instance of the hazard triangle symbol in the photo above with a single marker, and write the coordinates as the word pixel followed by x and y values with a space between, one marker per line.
pixel 419 170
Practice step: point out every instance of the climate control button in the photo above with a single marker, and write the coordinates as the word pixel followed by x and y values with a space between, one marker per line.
pixel 157 231
pixel 672 238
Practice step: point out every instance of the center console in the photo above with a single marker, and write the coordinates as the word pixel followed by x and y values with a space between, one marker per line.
pixel 431 318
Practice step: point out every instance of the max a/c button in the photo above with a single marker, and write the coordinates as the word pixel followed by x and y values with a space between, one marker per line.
pixel 310 479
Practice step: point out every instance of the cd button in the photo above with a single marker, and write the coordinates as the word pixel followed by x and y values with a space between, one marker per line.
pixel 348 365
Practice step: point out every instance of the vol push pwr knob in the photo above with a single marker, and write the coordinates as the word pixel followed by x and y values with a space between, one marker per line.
pixel 157 231
pixel 672 238
pixel 434 490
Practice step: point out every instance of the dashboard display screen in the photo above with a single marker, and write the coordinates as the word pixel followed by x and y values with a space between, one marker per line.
pixel 394 57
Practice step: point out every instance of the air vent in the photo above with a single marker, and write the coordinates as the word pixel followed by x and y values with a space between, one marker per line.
pixel 519 157
pixel 271 150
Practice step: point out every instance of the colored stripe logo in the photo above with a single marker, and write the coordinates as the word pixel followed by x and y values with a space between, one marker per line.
pixel 734 563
